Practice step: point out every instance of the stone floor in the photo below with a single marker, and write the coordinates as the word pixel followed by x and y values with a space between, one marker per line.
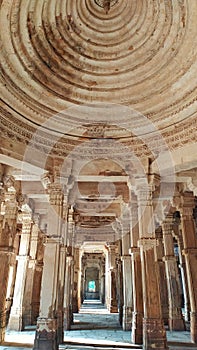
pixel 94 329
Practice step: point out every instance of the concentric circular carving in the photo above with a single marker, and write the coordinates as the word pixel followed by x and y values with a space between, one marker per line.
pixel 59 53
pixel 103 3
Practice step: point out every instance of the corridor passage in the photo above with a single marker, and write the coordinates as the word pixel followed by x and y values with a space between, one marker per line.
pixel 94 328
pixel 95 325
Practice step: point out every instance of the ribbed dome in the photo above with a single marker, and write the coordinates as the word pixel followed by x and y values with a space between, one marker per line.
pixel 60 53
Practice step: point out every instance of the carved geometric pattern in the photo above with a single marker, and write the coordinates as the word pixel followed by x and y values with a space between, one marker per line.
pixel 77 55
pixel 101 3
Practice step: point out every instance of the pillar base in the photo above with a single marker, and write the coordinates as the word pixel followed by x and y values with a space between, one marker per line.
pixel 60 327
pixel 2 326
pixel 193 317
pixel 154 334
pixel 127 318
pixel 67 319
pixel 16 320
pixel 137 328
pixel 113 309
pixel 46 334
pixel 120 308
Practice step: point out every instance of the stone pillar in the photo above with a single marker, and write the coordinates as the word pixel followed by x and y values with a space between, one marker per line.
pixel 69 278
pixel 127 290
pixel 75 281
pixel 62 270
pixel 83 273
pixel 182 267
pixel 162 277
pixel 49 322
pixel 16 321
pixel 176 322
pixel 120 290
pixel 35 304
pixel 127 279
pixel 178 235
pixel 5 262
pixel 137 315
pixel 190 253
pixel 154 335
pixel 102 286
pixel 113 305
pixel 8 219
pixel 31 269
pixel 113 301
pixel 46 334
pixel 67 293
pixel 60 293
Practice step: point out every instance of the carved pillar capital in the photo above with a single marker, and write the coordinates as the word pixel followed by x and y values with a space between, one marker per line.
pixel 55 193
pixel 148 243
pixel 167 225
pixel 187 204
pixel 144 195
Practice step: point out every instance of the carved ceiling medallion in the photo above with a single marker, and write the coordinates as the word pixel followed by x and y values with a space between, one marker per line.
pixel 106 4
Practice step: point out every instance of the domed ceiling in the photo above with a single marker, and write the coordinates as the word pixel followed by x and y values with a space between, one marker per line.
pixel 60 55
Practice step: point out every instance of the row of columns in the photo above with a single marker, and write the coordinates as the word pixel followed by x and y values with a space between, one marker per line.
pixel 145 256
pixel 58 278
pixel 21 254
pixel 156 288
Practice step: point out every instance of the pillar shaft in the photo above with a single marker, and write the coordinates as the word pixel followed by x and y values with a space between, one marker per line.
pixel 8 221
pixel 30 278
pixel 113 304
pixel 102 288
pixel 176 321
pixel 190 253
pixel 46 334
pixel 162 277
pixel 68 293
pixel 5 262
pixel 60 294
pixel 154 335
pixel 182 266
pixel 120 290
pixel 127 291
pixel 113 291
pixel 16 321
pixel 137 316
pixel 75 281
pixel 50 322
